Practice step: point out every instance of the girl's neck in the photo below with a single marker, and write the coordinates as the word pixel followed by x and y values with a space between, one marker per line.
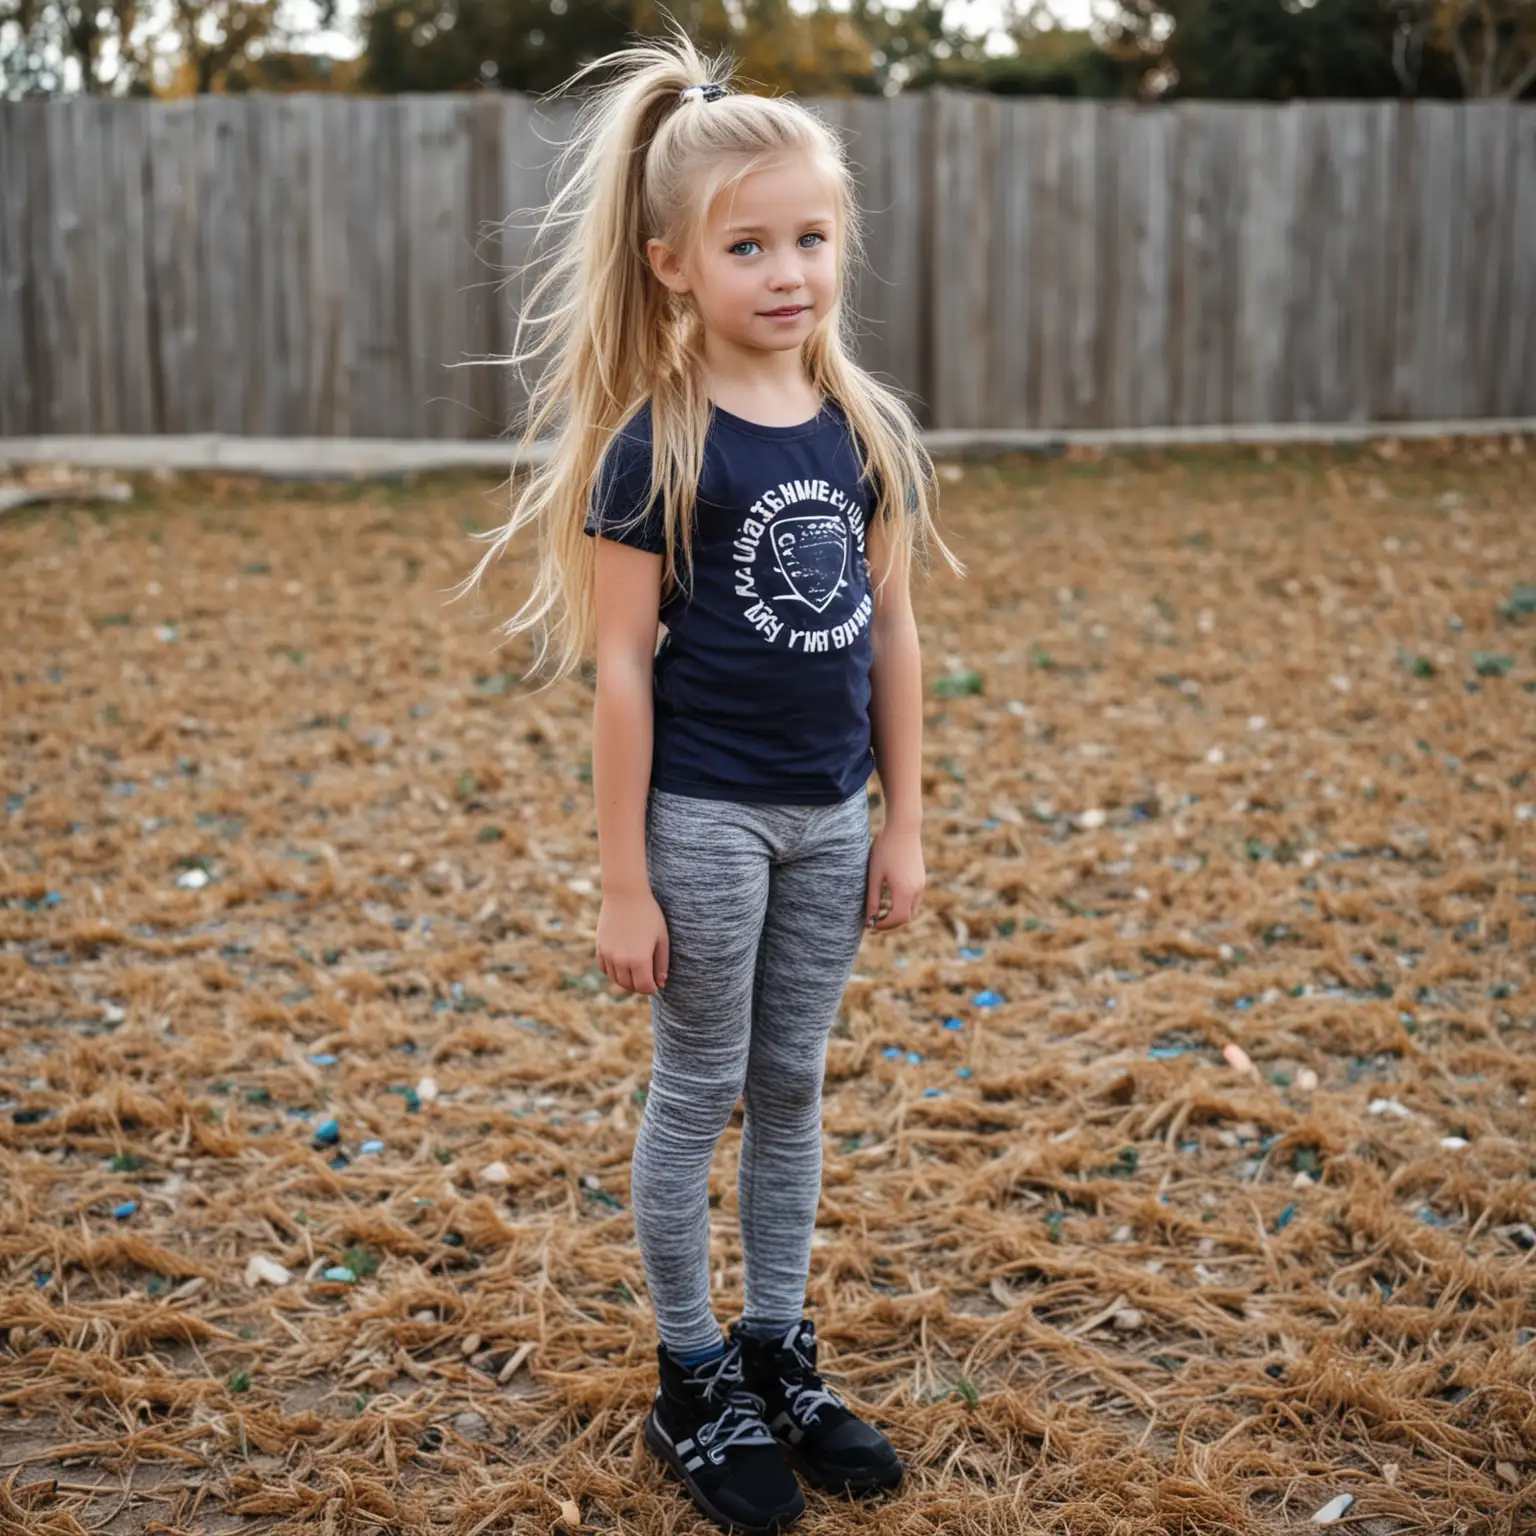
pixel 769 388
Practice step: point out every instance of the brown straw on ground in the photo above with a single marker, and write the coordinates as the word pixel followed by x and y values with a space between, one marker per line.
pixel 1226 749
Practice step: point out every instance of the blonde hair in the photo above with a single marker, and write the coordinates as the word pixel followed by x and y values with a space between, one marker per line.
pixel 645 162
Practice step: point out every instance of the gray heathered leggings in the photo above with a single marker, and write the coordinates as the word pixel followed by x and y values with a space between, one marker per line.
pixel 765 910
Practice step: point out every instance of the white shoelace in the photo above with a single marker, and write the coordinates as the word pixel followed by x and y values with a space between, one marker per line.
pixel 740 1421
pixel 805 1402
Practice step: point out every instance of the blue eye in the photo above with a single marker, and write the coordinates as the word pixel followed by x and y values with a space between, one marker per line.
pixel 736 249
pixel 819 239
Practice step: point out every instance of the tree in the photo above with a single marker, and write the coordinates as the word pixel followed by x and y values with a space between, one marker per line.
pixel 1492 44
pixel 221 44
pixel 533 45
pixel 119 46
pixel 1047 59
pixel 1272 50
pixel 48 46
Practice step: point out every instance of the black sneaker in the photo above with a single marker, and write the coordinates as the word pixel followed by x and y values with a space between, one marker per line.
pixel 828 1442
pixel 709 1430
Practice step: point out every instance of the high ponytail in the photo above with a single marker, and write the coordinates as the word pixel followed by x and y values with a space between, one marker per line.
pixel 646 160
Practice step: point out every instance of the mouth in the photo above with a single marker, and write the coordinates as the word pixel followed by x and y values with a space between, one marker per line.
pixel 786 311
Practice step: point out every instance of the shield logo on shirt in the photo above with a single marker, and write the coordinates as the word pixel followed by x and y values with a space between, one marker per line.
pixel 812 555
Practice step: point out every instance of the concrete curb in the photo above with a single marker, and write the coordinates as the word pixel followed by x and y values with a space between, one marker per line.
pixel 359 458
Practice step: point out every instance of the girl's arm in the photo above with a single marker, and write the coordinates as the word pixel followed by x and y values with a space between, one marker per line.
pixel 631 931
pixel 896 721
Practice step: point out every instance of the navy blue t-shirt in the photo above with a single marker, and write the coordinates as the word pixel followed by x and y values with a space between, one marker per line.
pixel 762 683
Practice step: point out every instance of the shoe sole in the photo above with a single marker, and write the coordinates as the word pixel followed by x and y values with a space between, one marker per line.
pixel 664 1453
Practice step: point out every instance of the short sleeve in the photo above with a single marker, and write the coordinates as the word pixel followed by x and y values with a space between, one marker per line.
pixel 621 507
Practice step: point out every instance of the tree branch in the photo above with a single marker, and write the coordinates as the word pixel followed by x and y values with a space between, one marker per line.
pixel 1463 63
pixel 1490 51
pixel 1405 42
pixel 1525 78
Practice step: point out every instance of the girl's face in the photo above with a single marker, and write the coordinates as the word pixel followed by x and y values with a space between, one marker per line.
pixel 765 270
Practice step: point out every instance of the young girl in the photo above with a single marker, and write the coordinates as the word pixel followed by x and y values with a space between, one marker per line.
pixel 721 465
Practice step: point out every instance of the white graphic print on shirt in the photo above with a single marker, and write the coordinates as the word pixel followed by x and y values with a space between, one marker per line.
pixel 794 568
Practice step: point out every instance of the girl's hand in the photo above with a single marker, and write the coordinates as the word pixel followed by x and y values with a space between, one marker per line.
pixel 632 946
pixel 896 879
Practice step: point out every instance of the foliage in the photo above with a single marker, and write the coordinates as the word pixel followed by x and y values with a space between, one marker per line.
pixel 1271 50
pixel 1278 50
pixel 533 45
pixel 1490 43
pixel 232 45
pixel 42 40
pixel 114 46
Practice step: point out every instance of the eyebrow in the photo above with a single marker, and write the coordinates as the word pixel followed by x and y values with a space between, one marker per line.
pixel 759 229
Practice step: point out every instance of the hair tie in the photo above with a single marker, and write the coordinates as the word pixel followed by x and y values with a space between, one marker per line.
pixel 709 91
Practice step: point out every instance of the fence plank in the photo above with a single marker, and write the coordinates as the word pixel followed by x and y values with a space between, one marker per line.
pixel 1375 286
pixel 961 234
pixel 20 141
pixel 130 289
pixel 1012 272
pixel 1268 305
pixel 329 128
pixel 62 262
pixel 1517 384
pixel 233 354
pixel 1206 265
pixel 1078 258
pixel 1441 335
pixel 1321 270
pixel 1152 378
pixel 296 264
pixel 1486 258
pixel 1046 403
pixel 174 268
pixel 485 382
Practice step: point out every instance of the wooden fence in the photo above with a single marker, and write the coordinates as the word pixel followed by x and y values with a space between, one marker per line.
pixel 311 265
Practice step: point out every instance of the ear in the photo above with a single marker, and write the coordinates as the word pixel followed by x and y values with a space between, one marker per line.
pixel 668 269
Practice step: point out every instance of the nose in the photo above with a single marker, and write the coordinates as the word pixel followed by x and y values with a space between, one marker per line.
pixel 787 275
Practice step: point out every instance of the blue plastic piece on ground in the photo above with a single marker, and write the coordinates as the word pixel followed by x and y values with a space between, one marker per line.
pixel 892 1053
pixel 964 1072
pixel 987 999
pixel 369 1147
pixel 970 952
pixel 41 1280
pixel 341 1273
pixel 933 1093
pixel 1283 1220
pixel 329 1133
pixel 324 1059
pixel 954 1023
pixel 1243 1004
pixel 1167 1052
pixel 913 1059
pixel 126 1209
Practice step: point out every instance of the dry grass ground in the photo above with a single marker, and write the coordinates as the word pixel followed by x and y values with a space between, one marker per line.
pixel 1225 749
